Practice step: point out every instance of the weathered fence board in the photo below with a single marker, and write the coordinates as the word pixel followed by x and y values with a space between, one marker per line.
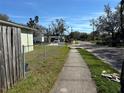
pixel 11 65
pixel 1 59
pixel 2 65
pixel 19 53
pixel 5 56
pixel 13 55
pixel 9 55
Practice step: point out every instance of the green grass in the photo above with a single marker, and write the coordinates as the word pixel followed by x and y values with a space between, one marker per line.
pixel 96 67
pixel 42 74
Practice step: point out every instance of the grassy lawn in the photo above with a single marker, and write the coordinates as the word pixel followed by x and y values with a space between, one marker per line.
pixel 96 67
pixel 42 74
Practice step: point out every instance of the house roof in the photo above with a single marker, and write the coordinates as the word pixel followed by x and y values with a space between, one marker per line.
pixel 15 25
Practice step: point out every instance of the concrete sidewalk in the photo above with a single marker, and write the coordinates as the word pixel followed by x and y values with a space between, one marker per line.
pixel 75 76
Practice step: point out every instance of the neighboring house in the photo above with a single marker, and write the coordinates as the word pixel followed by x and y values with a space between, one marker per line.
pixel 27 40
pixel 39 38
pixel 56 39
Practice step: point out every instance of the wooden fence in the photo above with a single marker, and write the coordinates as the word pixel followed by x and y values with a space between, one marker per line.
pixel 11 57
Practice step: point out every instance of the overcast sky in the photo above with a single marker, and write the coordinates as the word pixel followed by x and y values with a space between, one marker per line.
pixel 76 13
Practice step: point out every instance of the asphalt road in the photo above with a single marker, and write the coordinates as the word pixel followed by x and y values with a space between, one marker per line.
pixel 111 55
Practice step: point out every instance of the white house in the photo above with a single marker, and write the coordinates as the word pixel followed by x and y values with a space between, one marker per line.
pixel 27 40
pixel 39 38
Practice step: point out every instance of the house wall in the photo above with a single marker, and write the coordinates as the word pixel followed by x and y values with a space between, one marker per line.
pixel 39 39
pixel 59 38
pixel 27 41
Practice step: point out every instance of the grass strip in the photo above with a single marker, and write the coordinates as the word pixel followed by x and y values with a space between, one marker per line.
pixel 42 74
pixel 96 67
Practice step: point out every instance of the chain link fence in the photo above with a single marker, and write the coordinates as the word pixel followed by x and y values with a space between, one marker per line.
pixel 38 52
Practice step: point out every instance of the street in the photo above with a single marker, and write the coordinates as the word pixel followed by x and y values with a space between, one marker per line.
pixel 111 55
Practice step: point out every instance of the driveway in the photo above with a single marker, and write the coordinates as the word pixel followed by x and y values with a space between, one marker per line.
pixel 111 55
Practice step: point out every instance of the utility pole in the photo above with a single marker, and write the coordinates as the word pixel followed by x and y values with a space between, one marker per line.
pixel 93 25
pixel 93 31
pixel 121 25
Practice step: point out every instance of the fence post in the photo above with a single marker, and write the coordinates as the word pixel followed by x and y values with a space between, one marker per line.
pixel 23 61
pixel 0 81
pixel 3 80
pixel 44 52
pixel 122 78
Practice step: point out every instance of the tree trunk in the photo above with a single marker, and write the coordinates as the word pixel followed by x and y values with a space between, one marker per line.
pixel 113 39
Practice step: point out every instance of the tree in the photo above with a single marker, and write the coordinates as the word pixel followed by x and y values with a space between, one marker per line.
pixel 84 36
pixel 108 24
pixel 33 23
pixel 93 23
pixel 58 27
pixel 78 36
pixel 119 18
pixel 48 33
pixel 36 19
pixel 75 35
pixel 4 17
